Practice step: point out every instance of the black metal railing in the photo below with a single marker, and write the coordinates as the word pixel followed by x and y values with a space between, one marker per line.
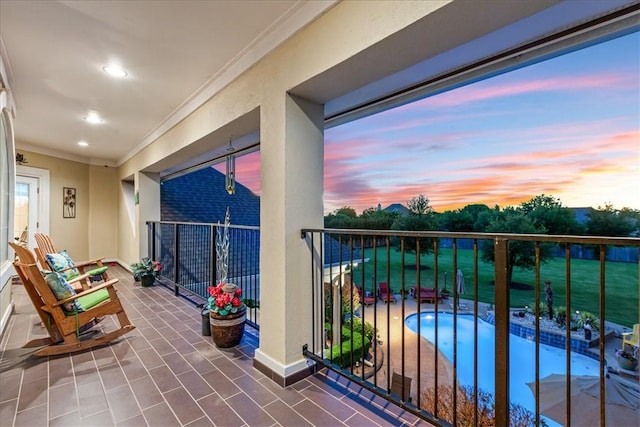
pixel 187 252
pixel 359 333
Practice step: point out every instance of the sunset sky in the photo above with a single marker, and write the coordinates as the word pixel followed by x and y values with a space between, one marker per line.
pixel 568 127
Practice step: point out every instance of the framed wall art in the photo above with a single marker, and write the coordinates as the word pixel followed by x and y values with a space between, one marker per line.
pixel 68 202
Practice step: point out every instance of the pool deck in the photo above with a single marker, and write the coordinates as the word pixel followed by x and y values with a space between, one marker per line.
pixel 392 343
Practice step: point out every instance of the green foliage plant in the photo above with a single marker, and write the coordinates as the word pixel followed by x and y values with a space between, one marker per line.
pixel 369 330
pixel 146 267
pixel 352 348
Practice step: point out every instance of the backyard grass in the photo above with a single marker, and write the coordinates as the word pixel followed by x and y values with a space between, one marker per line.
pixel 621 281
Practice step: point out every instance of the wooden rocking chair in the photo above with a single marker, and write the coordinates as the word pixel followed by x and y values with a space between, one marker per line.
pixel 65 327
pixel 46 246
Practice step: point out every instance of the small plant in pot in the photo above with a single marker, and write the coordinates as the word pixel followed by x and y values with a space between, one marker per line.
pixel 146 271
pixel 626 360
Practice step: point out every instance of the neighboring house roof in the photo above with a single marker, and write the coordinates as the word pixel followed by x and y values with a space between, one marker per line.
pixel 398 208
pixel 200 196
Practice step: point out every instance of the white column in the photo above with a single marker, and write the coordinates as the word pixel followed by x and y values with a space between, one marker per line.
pixel 292 139
pixel 147 187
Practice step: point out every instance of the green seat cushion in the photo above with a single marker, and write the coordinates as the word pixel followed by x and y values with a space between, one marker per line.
pixel 97 271
pixel 93 299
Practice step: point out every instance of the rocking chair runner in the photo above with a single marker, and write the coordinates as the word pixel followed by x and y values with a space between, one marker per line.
pixel 64 327
pixel 46 246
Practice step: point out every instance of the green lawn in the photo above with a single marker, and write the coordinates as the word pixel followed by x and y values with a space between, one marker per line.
pixel 621 287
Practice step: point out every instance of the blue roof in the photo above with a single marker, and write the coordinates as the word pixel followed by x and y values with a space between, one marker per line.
pixel 397 208
pixel 201 196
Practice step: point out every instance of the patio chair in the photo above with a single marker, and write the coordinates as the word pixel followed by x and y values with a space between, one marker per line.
pixel 632 339
pixel 386 294
pixel 366 298
pixel 24 256
pixel 68 317
pixel 401 387
pixel 50 258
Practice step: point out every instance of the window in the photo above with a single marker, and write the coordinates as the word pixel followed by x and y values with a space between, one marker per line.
pixel 6 166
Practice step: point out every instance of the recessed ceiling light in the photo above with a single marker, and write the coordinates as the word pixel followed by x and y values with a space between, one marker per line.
pixel 114 70
pixel 83 144
pixel 93 118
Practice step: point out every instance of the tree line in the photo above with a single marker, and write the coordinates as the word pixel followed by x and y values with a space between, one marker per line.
pixel 542 214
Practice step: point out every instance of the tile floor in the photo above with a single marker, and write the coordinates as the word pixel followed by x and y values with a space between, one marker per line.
pixel 165 373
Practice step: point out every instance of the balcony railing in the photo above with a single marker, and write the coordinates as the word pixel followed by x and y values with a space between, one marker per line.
pixel 380 349
pixel 187 252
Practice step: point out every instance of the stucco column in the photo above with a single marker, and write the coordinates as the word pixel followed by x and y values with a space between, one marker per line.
pixel 292 168
pixel 147 189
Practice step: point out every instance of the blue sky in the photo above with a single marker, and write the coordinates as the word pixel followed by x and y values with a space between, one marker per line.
pixel 568 127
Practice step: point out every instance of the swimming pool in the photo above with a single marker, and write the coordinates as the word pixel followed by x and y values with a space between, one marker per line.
pixel 521 355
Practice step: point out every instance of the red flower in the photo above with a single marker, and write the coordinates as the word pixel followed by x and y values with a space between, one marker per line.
pixel 222 302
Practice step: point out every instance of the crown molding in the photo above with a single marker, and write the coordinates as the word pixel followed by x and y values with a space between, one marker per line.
pixel 299 16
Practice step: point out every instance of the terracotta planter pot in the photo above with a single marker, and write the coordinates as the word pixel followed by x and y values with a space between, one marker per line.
pixel 227 331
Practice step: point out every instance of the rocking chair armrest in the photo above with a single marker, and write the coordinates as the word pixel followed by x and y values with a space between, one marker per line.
pixel 626 334
pixel 78 278
pixel 108 284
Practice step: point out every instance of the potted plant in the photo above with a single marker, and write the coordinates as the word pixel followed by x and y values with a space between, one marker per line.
pixel 146 271
pixel 626 360
pixel 227 312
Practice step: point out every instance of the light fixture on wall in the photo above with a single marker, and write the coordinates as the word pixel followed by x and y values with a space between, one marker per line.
pixel 230 177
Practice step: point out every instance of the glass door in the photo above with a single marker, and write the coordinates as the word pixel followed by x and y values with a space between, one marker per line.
pixel 26 221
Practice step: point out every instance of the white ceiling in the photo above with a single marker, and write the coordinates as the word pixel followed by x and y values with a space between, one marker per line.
pixel 179 53
pixel 176 53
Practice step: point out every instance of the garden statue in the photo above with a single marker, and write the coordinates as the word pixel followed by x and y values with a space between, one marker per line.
pixel 549 297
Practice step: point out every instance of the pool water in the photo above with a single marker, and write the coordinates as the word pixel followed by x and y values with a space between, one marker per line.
pixel 521 355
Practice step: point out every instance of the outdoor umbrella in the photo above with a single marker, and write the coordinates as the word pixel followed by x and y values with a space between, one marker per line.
pixel 460 282
pixel 622 400
pixel 460 285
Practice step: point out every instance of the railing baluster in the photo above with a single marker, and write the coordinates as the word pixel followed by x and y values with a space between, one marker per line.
pixel 603 417
pixel 568 335
pixel 502 332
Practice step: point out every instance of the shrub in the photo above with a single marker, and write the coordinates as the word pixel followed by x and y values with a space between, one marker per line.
pixel 542 308
pixel 353 347
pixel 561 316
pixel 593 320
pixel 519 416
pixel 369 330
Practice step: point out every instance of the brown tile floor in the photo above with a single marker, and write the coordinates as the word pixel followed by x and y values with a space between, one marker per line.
pixel 165 373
